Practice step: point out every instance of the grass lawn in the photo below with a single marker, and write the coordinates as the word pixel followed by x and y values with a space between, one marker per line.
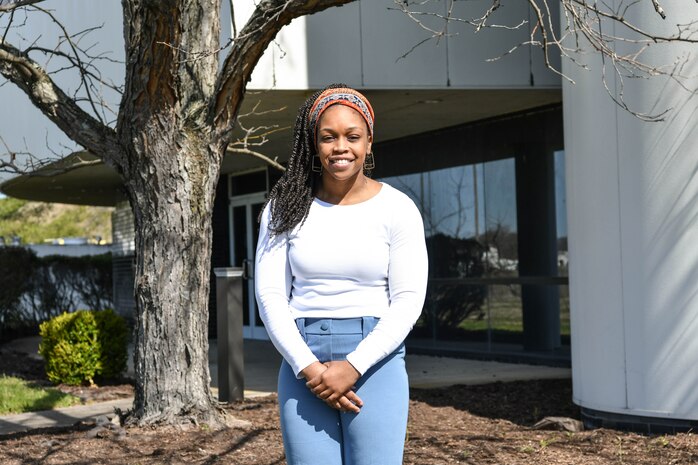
pixel 17 396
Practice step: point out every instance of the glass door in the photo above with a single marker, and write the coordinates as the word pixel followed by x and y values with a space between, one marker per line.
pixel 244 231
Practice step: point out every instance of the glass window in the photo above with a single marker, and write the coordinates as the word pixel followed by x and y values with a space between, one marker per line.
pixel 500 217
pixel 470 221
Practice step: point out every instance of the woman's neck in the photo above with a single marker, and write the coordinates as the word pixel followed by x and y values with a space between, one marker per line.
pixel 349 192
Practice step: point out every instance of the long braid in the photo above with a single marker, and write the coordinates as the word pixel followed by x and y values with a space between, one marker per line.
pixel 292 195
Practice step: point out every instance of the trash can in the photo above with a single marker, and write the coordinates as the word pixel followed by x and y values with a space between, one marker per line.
pixel 231 374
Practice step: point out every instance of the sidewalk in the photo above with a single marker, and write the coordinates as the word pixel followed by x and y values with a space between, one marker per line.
pixel 261 367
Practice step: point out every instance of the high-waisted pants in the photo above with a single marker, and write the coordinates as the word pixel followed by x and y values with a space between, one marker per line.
pixel 316 434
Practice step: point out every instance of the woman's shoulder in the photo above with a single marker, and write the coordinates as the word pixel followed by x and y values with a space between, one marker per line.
pixel 396 196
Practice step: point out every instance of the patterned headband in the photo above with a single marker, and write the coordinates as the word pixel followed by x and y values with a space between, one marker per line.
pixel 342 96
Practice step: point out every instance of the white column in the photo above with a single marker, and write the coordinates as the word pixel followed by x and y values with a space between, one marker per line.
pixel 632 197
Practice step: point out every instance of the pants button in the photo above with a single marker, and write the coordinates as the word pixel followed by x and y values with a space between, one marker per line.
pixel 324 326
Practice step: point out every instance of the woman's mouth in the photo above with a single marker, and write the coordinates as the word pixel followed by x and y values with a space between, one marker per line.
pixel 340 161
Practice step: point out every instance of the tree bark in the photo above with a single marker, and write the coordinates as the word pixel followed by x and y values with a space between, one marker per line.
pixel 173 207
pixel 171 171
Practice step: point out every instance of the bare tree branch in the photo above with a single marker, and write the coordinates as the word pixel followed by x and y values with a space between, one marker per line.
pixel 255 136
pixel 81 127
pixel 9 162
pixel 266 21
pixel 261 156
pixel 585 23
pixel 10 5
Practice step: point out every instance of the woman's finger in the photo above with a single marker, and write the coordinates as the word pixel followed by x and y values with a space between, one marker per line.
pixel 354 399
pixel 318 389
pixel 347 405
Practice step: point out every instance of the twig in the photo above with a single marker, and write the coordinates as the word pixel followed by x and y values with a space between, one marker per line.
pixel 261 156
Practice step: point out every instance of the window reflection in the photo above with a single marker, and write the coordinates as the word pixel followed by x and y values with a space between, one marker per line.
pixel 470 222
pixel 500 217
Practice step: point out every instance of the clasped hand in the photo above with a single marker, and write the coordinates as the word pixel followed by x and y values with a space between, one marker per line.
pixel 333 383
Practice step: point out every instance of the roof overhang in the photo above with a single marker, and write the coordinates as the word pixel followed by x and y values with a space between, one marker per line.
pixel 82 179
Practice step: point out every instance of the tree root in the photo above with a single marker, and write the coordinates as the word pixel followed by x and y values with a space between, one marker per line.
pixel 213 418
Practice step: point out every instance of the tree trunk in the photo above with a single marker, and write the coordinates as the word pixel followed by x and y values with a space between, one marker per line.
pixel 173 208
pixel 171 170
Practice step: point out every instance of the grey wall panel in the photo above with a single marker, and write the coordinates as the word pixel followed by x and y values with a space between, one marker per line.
pixel 469 51
pixel 334 46
pixel 387 34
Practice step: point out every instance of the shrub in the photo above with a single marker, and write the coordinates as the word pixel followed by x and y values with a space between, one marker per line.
pixel 82 346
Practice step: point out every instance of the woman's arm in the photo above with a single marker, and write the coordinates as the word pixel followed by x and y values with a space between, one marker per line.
pixel 273 282
pixel 407 282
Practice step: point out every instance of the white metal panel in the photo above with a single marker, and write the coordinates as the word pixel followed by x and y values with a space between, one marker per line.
pixel 658 213
pixel 387 35
pixel 470 53
pixel 334 46
pixel 595 264
pixel 661 216
pixel 284 64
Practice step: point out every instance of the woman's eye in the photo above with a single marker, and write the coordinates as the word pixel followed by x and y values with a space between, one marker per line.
pixel 354 138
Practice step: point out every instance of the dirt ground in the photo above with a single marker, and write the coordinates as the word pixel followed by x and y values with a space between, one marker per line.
pixel 489 424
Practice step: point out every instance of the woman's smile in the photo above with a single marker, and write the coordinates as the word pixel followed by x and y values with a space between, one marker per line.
pixel 340 162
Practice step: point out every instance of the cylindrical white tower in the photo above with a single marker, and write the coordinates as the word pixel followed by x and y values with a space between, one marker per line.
pixel 632 198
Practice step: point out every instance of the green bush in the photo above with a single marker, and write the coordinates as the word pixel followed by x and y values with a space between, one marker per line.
pixel 82 346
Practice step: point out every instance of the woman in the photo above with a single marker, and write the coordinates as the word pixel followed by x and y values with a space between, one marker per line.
pixel 341 272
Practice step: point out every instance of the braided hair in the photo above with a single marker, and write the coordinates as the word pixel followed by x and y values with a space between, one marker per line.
pixel 292 196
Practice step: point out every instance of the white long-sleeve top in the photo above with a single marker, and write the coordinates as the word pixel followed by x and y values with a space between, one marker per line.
pixel 345 261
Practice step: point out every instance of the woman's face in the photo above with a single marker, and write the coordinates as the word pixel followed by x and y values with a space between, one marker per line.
pixel 343 140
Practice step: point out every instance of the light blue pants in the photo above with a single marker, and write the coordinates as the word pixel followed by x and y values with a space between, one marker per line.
pixel 316 434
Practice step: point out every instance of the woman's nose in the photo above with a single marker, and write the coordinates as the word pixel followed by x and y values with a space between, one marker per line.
pixel 341 144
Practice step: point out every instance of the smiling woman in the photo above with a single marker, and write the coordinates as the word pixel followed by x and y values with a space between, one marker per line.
pixel 341 278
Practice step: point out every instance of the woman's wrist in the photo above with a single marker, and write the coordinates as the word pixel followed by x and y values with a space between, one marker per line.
pixel 312 370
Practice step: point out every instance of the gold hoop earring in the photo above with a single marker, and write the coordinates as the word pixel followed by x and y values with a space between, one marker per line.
pixel 369 162
pixel 317 168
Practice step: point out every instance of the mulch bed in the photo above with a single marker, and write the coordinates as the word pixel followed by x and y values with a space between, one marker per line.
pixel 488 424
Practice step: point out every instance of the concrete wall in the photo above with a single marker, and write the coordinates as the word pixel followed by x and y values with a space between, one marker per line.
pixel 632 196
